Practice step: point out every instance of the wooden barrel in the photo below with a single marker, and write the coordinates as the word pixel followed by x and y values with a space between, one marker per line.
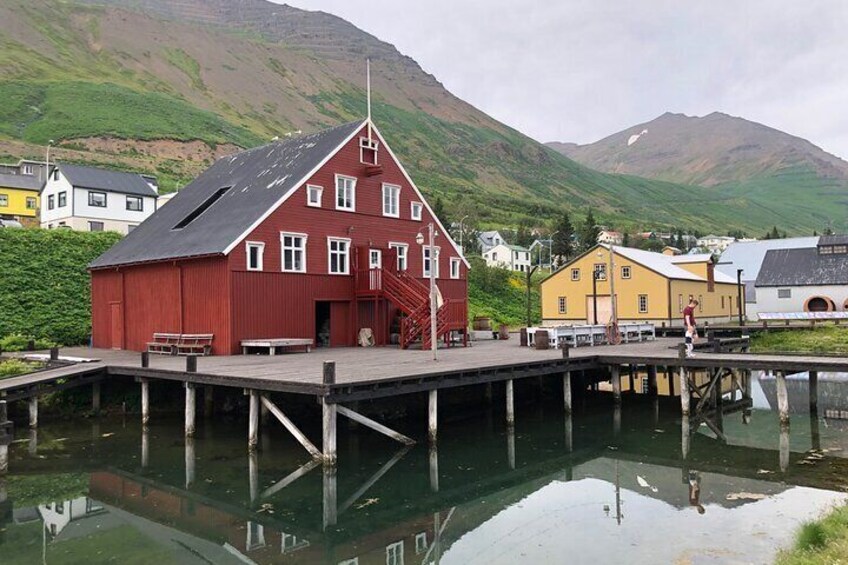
pixel 523 338
pixel 542 340
pixel 503 332
pixel 482 324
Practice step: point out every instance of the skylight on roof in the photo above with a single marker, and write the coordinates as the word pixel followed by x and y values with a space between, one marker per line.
pixel 205 205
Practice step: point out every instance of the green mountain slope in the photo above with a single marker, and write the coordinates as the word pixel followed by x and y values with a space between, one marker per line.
pixel 167 86
pixel 764 170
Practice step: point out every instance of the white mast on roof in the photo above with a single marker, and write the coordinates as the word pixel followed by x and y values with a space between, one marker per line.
pixel 368 90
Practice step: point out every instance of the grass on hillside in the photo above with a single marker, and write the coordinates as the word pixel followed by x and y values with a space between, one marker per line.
pixel 501 295
pixel 820 541
pixel 38 112
pixel 824 339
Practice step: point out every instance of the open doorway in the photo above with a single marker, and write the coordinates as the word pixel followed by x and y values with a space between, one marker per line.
pixel 322 324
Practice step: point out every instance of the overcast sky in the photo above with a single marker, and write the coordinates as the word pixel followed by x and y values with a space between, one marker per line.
pixel 579 70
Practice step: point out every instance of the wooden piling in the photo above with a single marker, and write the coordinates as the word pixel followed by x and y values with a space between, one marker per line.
pixel 569 433
pixel 433 416
pixel 782 396
pixel 253 476
pixel 145 402
pixel 145 359
pixel 669 375
pixel 814 390
pixel 189 409
pixel 652 380
pixel 615 377
pixel 95 397
pixel 4 459
pixel 253 421
pixel 510 404
pixel 631 381
pixel 189 462
pixel 784 446
pixel 145 447
pixel 434 468
pixel 685 436
pixel 330 498
pixel 33 412
pixel 510 447
pixel 685 395
pixel 329 417
pixel 191 363
pixel 566 392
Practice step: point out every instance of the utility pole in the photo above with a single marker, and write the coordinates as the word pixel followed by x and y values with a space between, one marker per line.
pixel 529 275
pixel 741 304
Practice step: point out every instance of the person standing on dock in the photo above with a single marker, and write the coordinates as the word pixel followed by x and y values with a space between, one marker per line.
pixel 691 328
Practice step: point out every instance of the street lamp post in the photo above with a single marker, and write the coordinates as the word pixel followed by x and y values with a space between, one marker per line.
pixel 47 161
pixel 419 239
pixel 595 295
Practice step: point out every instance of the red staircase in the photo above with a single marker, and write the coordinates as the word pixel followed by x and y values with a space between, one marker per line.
pixel 413 299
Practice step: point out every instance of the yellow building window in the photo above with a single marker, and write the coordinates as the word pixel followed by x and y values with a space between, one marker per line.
pixel 625 272
pixel 700 303
pixel 643 303
pixel 31 203
pixel 563 305
pixel 575 274
pixel 601 271
pixel 4 200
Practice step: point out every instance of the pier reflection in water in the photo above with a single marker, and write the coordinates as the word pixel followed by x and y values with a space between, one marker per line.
pixel 605 483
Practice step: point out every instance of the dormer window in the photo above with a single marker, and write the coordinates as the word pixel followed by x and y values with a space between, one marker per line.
pixel 368 151
pixel 415 211
pixel 26 170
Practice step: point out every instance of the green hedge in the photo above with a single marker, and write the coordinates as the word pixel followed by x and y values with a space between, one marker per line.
pixel 44 282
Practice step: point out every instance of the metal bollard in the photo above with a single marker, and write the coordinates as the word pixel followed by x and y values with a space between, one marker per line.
pixel 54 353
pixel 191 363
pixel 145 359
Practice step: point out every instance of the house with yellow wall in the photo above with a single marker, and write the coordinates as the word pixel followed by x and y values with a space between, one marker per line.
pixel 649 287
pixel 20 197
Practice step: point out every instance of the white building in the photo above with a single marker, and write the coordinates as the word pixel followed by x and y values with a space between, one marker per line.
pixel 610 237
pixel 89 199
pixel 489 239
pixel 748 257
pixel 512 257
pixel 715 243
pixel 810 279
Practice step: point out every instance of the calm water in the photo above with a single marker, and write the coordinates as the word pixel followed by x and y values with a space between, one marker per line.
pixel 607 489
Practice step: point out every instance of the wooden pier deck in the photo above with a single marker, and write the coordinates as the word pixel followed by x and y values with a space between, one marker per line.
pixel 346 375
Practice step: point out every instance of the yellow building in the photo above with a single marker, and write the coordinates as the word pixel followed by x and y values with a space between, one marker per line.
pixel 20 198
pixel 649 287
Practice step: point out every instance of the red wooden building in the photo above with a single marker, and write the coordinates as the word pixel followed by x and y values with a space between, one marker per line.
pixel 313 237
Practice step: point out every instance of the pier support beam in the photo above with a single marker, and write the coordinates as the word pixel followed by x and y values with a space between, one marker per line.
pixel 669 376
pixel 685 436
pixel 293 430
pixel 433 416
pixel 566 392
pixel 145 447
pixel 510 404
pixel 331 504
pixel 784 446
pixel 814 391
pixel 631 381
pixel 328 418
pixel 95 398
pixel 434 468
pixel 685 395
pixel 782 396
pixel 569 433
pixel 615 377
pixel 33 412
pixel 253 421
pixel 189 462
pixel 253 476
pixel 376 426
pixel 189 410
pixel 652 380
pixel 510 447
pixel 145 402
pixel 4 459
pixel 616 420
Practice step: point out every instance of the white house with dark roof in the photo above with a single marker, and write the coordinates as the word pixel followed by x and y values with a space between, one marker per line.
pixel 89 199
pixel 489 239
pixel 512 257
pixel 810 279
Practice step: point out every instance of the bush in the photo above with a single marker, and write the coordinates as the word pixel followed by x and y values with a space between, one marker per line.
pixel 15 367
pixel 501 295
pixel 19 342
pixel 45 285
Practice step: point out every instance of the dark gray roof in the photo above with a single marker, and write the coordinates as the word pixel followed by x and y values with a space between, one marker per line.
pixel 258 178
pixel 24 182
pixel 109 181
pixel 802 267
pixel 833 240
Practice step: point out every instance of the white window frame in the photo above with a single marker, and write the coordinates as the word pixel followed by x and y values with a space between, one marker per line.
pixel 372 144
pixel 27 170
pixel 314 189
pixel 400 257
pixel 626 271
pixel 639 300
pixel 421 543
pixel 352 205
pixel 375 254
pixel 4 200
pixel 416 206
pixel 259 255
pixel 600 269
pixel 34 201
pixel 425 261
pixel 51 201
pixel 394 553
pixel 388 189
pixel 575 275
pixel 331 240
pixel 62 199
pixel 562 304
pixel 283 248
pixel 455 268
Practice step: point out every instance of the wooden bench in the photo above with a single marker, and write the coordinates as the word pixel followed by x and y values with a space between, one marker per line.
pixel 272 344
pixel 194 344
pixel 163 343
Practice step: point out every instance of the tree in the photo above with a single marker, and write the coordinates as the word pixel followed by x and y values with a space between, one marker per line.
pixel 625 239
pixel 827 231
pixel 523 237
pixel 589 232
pixel 439 210
pixel 562 240
pixel 774 233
